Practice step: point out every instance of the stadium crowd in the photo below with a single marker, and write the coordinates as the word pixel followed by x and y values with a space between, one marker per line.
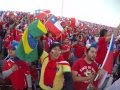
pixel 69 60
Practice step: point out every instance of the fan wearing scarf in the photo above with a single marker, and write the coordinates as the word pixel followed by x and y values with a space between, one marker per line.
pixel 16 70
pixel 55 71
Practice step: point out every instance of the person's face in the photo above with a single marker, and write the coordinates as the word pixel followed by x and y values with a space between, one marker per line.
pixel 91 54
pixel 66 41
pixel 12 53
pixel 55 52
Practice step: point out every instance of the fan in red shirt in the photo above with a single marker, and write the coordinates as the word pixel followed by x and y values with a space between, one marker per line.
pixel 84 71
pixel 66 49
pixel 79 47
pixel 102 46
pixel 16 70
pixel 7 39
pixel 17 34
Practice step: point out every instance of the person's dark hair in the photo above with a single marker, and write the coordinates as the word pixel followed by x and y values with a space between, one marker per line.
pixel 103 32
pixel 47 34
pixel 55 44
pixel 92 46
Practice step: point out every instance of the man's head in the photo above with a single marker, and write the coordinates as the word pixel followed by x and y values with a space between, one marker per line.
pixel 103 32
pixel 91 53
pixel 66 41
pixel 55 50
pixel 11 48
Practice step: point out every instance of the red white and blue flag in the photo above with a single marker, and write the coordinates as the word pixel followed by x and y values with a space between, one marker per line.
pixel 107 66
pixel 54 25
pixel 42 14
pixel 74 22
pixel 108 61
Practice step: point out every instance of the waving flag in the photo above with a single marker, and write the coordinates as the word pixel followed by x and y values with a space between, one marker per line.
pixel 74 22
pixel 27 48
pixel 54 26
pixel 42 14
pixel 107 65
pixel 108 61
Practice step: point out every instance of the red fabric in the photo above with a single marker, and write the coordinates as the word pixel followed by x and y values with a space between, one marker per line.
pixel 108 66
pixel 43 14
pixel 54 26
pixel 50 71
pixel 66 54
pixel 63 36
pixel 7 40
pixel 17 34
pixel 34 73
pixel 72 24
pixel 115 54
pixel 83 68
pixel 102 50
pixel 1 23
pixel 68 31
pixel 18 77
pixel 79 50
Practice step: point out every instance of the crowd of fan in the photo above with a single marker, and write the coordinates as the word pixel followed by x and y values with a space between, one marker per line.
pixel 74 41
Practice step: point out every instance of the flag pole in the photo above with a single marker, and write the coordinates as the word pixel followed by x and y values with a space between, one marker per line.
pixel 107 52
pixel 62 6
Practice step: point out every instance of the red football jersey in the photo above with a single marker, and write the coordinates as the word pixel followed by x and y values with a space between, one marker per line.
pixel 84 69
pixel 66 54
pixel 79 50
pixel 17 34
pixel 102 50
pixel 17 78
pixel 7 40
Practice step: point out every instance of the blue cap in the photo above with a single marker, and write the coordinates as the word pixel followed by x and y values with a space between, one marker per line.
pixel 13 45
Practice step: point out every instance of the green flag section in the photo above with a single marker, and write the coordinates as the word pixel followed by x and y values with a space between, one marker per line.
pixel 37 29
pixel 27 48
pixel 29 43
pixel 31 57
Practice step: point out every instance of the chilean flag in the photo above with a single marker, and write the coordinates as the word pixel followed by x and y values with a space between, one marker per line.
pixel 42 14
pixel 54 26
pixel 107 66
pixel 74 22
pixel 108 61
